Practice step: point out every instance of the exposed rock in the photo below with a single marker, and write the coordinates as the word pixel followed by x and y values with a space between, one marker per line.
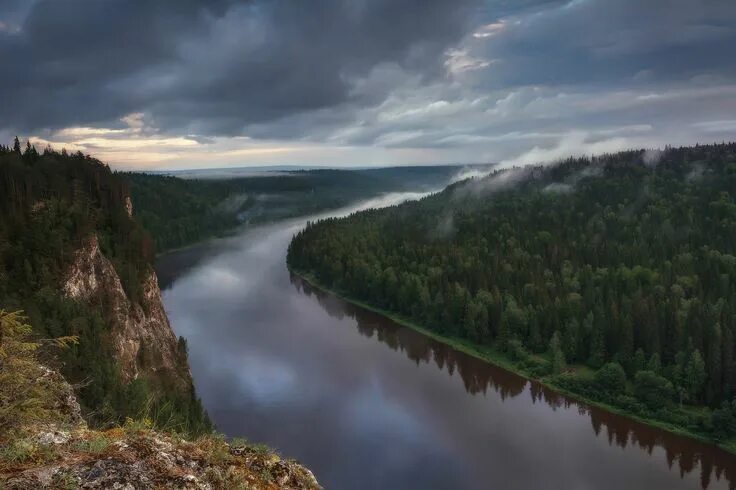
pixel 65 401
pixel 129 206
pixel 142 459
pixel 55 436
pixel 143 341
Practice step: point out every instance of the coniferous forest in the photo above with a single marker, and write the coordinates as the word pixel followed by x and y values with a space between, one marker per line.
pixel 611 277
pixel 49 203
pixel 181 211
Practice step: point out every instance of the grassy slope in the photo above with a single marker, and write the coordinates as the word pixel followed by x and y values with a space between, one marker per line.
pixel 501 360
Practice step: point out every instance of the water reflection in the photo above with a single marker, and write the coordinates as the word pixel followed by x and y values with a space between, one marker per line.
pixel 277 362
pixel 712 464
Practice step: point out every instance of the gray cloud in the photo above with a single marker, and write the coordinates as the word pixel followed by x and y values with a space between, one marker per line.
pixel 471 80
pixel 212 67
pixel 626 41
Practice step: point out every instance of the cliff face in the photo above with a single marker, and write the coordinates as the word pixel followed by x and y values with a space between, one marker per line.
pixel 142 339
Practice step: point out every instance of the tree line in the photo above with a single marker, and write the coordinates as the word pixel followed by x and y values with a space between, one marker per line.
pixel 614 276
pixel 181 211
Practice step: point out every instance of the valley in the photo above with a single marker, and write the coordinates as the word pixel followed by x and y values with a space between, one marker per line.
pixel 350 392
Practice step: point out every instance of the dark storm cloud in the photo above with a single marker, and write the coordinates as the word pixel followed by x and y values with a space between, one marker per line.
pixel 209 67
pixel 64 57
pixel 494 77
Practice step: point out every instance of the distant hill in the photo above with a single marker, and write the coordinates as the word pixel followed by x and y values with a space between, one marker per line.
pixel 180 211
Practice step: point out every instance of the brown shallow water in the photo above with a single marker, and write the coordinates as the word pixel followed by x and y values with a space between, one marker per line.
pixel 369 404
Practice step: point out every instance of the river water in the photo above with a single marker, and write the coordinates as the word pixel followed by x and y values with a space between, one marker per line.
pixel 368 404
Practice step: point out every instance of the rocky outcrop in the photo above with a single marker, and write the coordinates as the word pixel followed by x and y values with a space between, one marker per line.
pixel 64 400
pixel 129 206
pixel 142 339
pixel 60 451
pixel 131 458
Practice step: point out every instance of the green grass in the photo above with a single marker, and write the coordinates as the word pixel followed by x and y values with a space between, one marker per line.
pixel 500 359
pixel 25 450
pixel 96 445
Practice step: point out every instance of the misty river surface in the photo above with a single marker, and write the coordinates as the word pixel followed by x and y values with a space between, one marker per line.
pixel 368 404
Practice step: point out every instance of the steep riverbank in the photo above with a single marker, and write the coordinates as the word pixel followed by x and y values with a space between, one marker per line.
pixel 500 359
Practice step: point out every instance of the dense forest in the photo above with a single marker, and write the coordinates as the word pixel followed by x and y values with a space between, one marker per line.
pixel 181 211
pixel 612 277
pixel 49 203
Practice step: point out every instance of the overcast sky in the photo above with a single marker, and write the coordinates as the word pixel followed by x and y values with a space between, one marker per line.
pixel 189 84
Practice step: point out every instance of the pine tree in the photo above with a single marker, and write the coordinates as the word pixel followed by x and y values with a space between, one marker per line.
pixel 695 375
pixel 654 365
pixel 637 364
pixel 557 356
pixel 597 341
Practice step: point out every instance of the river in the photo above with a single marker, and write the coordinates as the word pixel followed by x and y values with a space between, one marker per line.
pixel 368 404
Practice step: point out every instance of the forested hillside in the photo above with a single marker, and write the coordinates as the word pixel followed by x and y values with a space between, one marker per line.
pixel 57 210
pixel 179 211
pixel 612 277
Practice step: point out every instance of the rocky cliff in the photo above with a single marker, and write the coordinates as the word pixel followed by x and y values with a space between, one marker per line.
pixel 142 339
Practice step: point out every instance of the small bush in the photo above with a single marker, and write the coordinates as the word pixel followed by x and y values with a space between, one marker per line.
pixel 96 445
pixel 629 403
pixel 137 426
pixel 516 351
pixel 261 449
pixel 723 421
pixel 653 390
pixel 611 378
pixel 215 448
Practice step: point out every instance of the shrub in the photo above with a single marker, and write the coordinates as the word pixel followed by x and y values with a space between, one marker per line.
pixel 723 421
pixel 516 350
pixel 611 378
pixel 653 390
pixel 628 403
pixel 98 444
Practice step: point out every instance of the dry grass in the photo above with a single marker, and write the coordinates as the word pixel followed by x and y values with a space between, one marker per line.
pixel 140 455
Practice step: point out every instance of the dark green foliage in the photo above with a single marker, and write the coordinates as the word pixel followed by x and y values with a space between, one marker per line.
pixel 652 389
pixel 590 261
pixel 556 356
pixel 180 211
pixel 50 204
pixel 611 378
pixel 724 420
